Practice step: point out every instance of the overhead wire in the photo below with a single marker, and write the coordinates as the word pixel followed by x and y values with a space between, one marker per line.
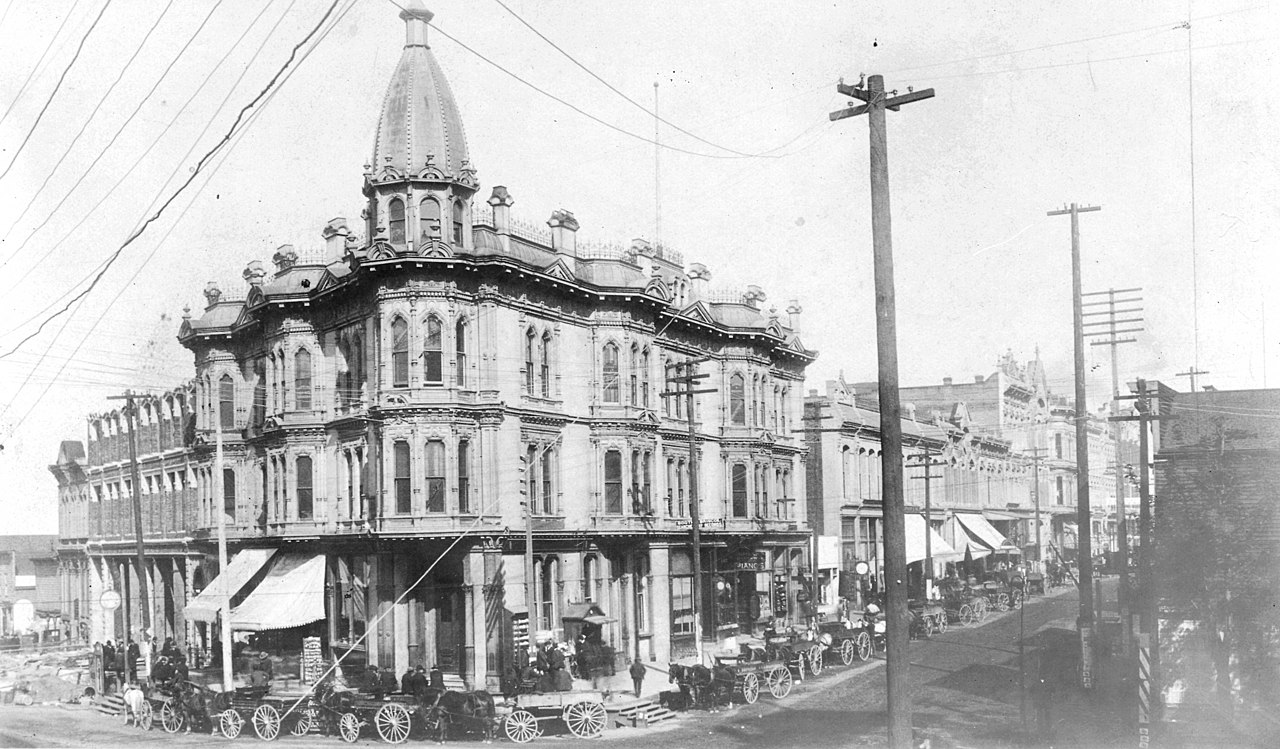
pixel 22 89
pixel 66 151
pixel 195 172
pixel 32 129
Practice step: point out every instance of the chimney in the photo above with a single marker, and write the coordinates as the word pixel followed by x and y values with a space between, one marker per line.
pixel 793 315
pixel 643 253
pixel 946 380
pixel 701 278
pixel 212 293
pixel 285 258
pixel 979 379
pixel 564 233
pixel 335 235
pixel 753 296
pixel 254 273
pixel 501 202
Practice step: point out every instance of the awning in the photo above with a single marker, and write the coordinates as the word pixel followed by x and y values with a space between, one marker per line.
pixel 963 541
pixel 292 594
pixel 940 550
pixel 204 607
pixel 583 611
pixel 978 527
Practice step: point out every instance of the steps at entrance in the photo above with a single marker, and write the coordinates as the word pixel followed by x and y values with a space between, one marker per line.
pixel 637 713
pixel 110 704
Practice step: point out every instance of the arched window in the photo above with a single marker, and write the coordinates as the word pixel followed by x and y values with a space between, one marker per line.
pixel 395 221
pixel 399 353
pixel 457 223
pixel 464 476
pixel 460 352
pixel 429 218
pixel 306 501
pixel 739 490
pixel 612 388
pixel 529 337
pixel 545 373
pixel 613 482
pixel 227 402
pixel 737 399
pixel 435 476
pixel 644 378
pixel 433 352
pixel 403 482
pixel 633 390
pixel 302 380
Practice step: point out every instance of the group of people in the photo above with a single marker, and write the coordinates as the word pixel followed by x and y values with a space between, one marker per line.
pixel 381 682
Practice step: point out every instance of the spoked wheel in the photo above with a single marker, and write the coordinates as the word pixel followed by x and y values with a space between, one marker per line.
pixel 230 723
pixel 750 688
pixel 967 615
pixel 349 728
pixel 941 620
pixel 170 718
pixel 864 646
pixel 815 659
pixel 145 716
pixel 802 665
pixel 780 682
pixel 1002 602
pixel 585 719
pixel 393 723
pixel 266 722
pixel 848 651
pixel 302 727
pixel 520 726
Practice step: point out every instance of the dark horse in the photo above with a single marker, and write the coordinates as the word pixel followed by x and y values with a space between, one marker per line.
pixel 470 711
pixel 702 687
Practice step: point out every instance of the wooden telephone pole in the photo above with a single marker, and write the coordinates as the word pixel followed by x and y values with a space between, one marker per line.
pixel 1084 518
pixel 925 460
pixel 684 377
pixel 1193 373
pixel 897 617
pixel 1035 457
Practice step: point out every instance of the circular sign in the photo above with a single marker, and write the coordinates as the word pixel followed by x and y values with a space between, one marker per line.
pixel 110 600
pixel 861 568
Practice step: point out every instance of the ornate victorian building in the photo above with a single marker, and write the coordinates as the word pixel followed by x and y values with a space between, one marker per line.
pixel 401 411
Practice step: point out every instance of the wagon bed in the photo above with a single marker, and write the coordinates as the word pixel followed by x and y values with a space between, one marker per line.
pixel 582 712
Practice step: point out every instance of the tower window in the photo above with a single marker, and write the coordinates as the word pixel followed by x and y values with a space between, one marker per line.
pixel 396 220
pixel 227 402
pixel 429 218
pixel 433 352
pixel 460 351
pixel 464 476
pixel 435 476
pixel 613 482
pixel 301 380
pixel 737 399
pixel 304 483
pixel 612 388
pixel 457 223
pixel 404 496
pixel 399 353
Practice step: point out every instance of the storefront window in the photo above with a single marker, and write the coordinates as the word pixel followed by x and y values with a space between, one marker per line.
pixel 682 606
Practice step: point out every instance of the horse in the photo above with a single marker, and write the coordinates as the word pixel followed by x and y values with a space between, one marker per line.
pixel 702 687
pixel 464 709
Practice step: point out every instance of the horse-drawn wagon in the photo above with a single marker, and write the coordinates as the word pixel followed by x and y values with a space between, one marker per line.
pixel 848 643
pixel 582 712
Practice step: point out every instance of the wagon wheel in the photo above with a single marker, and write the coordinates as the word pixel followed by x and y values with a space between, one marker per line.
pixel 230 723
pixel 967 615
pixel 941 620
pixel 585 719
pixel 393 723
pixel 171 719
pixel 145 716
pixel 349 727
pixel 801 666
pixel 848 651
pixel 266 722
pixel 779 683
pixel 815 659
pixel 750 688
pixel 864 646
pixel 520 726
pixel 302 727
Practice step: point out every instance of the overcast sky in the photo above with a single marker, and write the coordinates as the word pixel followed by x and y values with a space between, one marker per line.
pixel 1038 104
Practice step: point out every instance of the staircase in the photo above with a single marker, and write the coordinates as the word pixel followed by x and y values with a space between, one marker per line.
pixel 109 704
pixel 637 713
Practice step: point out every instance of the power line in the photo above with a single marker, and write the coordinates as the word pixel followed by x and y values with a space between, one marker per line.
pixel 195 172
pixel 54 93
pixel 96 108
pixel 612 88
pixel 110 142
pixel 22 89
pixel 86 215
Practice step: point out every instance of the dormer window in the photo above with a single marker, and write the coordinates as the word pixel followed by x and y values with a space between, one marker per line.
pixel 395 220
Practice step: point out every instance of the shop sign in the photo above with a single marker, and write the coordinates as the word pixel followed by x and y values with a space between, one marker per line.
pixel 109 600
pixel 753 563
pixel 312 660
pixel 1086 657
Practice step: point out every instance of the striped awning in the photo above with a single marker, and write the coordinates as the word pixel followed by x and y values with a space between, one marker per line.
pixel 241 569
pixel 292 594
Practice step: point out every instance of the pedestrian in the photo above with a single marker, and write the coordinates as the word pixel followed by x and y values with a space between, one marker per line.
pixel 132 653
pixel 265 665
pixel 637 671
pixel 437 677
pixel 388 681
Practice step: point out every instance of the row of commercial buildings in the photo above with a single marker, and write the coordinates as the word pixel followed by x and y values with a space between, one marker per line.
pixel 449 432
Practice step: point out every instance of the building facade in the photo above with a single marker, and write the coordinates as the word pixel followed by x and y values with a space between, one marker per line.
pixel 404 408
pixel 31 610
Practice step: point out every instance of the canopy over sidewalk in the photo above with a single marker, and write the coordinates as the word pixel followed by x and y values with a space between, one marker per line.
pixel 241 569
pixel 292 594
pixel 941 551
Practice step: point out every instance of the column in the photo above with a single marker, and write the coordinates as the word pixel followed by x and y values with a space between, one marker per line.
pixel 178 584
pixel 476 659
pixel 660 599
pixel 400 620
pixel 495 617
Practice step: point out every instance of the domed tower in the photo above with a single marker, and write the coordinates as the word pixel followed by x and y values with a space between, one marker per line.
pixel 420 183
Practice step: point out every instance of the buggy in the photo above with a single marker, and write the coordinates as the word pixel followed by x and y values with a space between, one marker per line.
pixel 845 642
pixel 962 604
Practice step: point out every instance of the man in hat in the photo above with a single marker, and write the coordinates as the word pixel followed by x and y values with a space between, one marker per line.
pixel 265 665
pixel 637 671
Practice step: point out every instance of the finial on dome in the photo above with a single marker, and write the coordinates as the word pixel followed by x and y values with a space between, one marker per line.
pixel 416 17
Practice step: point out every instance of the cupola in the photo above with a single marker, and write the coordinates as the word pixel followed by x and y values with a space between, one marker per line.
pixel 420 182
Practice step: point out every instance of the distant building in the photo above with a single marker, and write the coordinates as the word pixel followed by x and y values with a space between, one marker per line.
pixel 30 603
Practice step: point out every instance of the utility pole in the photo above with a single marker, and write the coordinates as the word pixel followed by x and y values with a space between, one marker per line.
pixel 219 494
pixel 1084 519
pixel 927 462
pixel 684 377
pixel 1121 313
pixel 1192 372
pixel 1036 457
pixel 131 418
pixel 898 695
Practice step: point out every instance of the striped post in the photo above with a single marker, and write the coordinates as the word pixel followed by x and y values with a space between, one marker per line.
pixel 1144 691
